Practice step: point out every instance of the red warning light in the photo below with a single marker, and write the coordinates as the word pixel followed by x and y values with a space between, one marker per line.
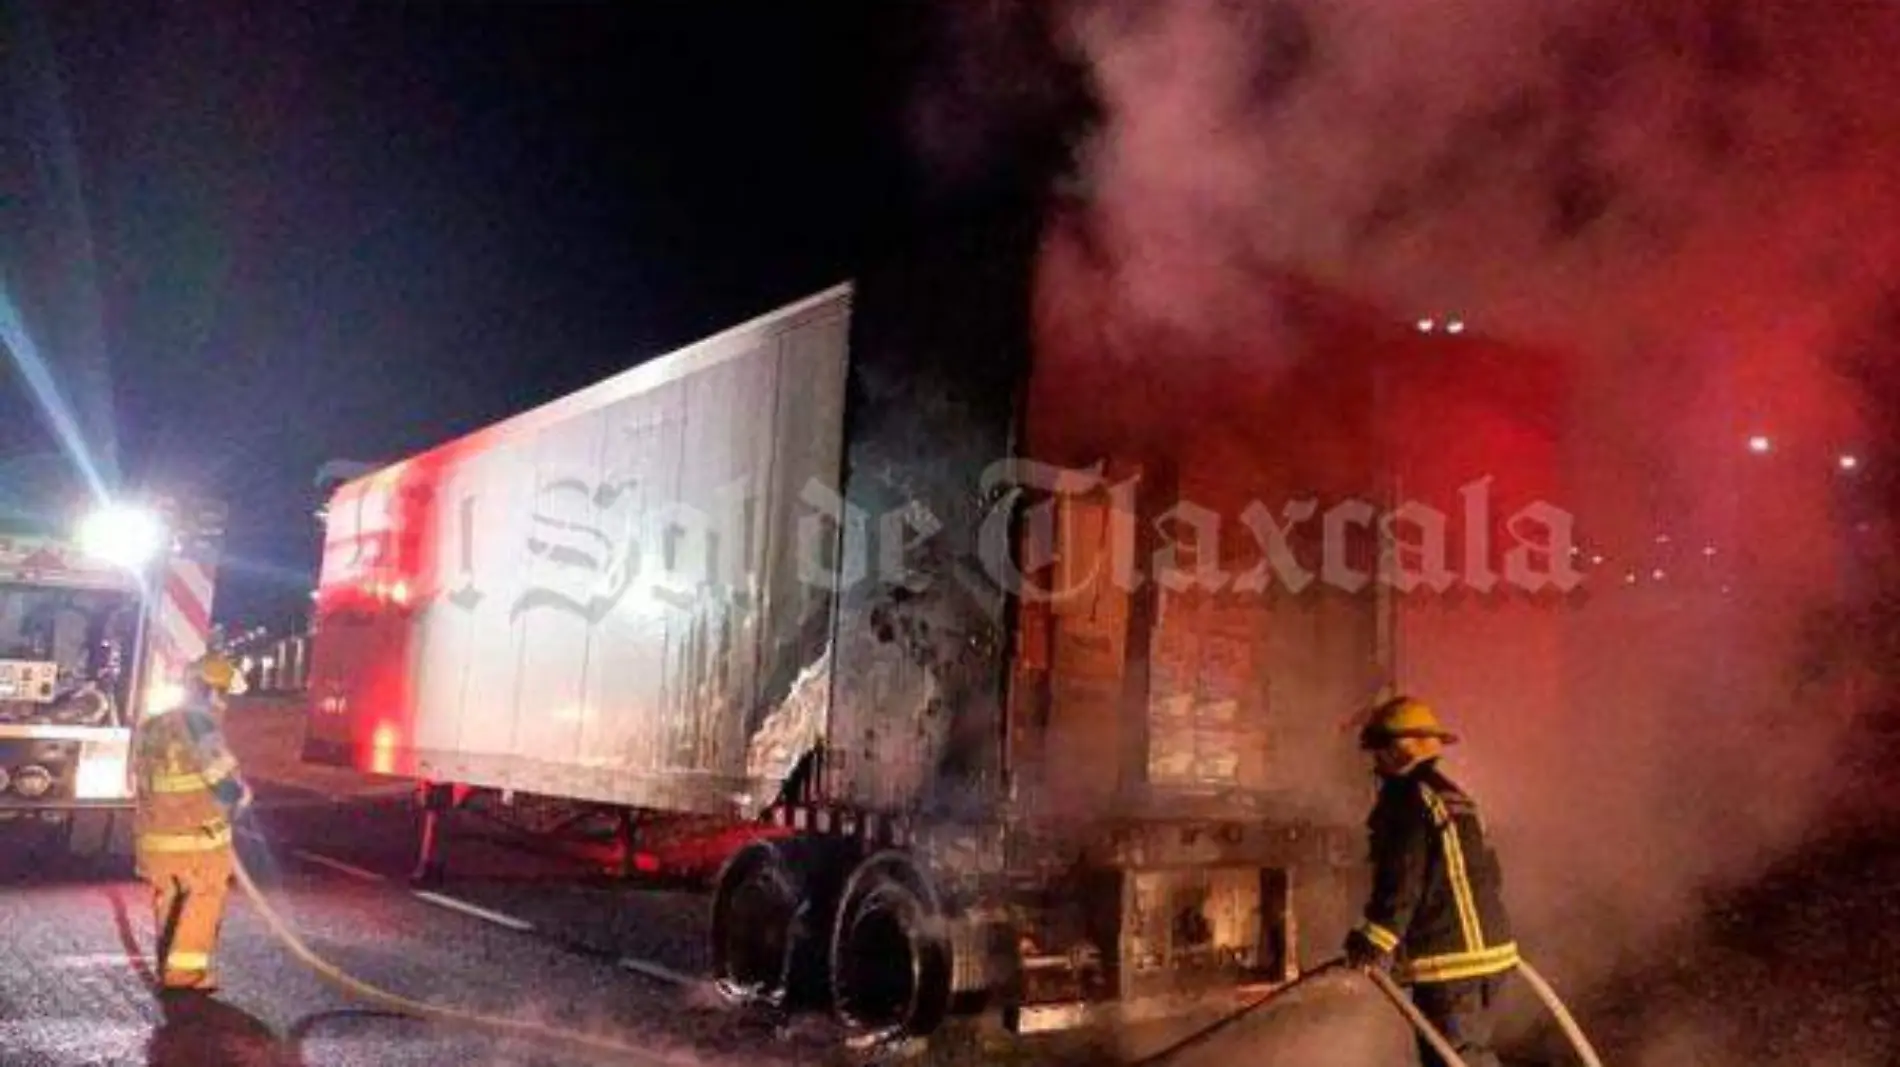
pixel 383 749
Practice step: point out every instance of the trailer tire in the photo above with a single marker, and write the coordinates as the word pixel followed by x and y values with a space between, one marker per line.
pixel 891 964
pixel 772 905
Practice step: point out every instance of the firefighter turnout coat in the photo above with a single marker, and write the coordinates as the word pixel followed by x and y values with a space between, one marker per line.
pixel 188 792
pixel 1437 900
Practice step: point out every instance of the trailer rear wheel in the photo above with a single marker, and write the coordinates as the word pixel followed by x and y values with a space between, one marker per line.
pixel 890 961
pixel 771 905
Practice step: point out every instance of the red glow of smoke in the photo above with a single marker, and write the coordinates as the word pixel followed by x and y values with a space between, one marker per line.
pixel 1666 231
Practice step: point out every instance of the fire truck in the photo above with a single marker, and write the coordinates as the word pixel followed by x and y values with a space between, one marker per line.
pixel 96 629
pixel 863 588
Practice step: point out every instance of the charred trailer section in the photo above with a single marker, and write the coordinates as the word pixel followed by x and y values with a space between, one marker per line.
pixel 1180 701
pixel 1051 782
pixel 1161 860
pixel 938 369
pixel 903 821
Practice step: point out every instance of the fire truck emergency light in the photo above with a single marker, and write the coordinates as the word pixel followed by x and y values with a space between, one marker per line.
pixel 124 536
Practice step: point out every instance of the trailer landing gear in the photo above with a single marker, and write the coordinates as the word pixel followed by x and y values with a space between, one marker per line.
pixel 626 844
pixel 436 800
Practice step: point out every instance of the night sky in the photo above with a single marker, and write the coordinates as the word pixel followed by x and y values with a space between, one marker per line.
pixel 334 230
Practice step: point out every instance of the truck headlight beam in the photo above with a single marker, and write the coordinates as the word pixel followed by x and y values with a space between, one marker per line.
pixel 122 535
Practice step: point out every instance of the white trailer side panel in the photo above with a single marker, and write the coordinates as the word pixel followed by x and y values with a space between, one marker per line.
pixel 601 599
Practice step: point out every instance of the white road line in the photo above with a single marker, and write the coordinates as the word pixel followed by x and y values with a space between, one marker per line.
pixel 110 960
pixel 338 866
pixel 469 909
pixel 659 972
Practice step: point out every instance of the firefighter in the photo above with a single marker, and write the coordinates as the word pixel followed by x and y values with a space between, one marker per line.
pixel 1435 918
pixel 189 793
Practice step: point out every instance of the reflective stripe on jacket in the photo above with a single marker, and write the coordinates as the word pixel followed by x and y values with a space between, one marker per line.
pixel 204 839
pixel 187 783
pixel 1437 895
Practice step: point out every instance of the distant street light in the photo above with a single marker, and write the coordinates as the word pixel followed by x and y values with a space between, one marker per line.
pixel 1760 444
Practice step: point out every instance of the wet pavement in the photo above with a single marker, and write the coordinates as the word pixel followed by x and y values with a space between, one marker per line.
pixel 75 990
pixel 526 933
pixel 512 931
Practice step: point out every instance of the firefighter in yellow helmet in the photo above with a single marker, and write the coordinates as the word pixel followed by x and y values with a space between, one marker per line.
pixel 189 793
pixel 1435 916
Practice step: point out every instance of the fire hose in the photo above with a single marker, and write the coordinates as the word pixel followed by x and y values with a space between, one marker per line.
pixel 1403 1004
pixel 1562 1014
pixel 1545 993
pixel 1417 1018
pixel 417 1009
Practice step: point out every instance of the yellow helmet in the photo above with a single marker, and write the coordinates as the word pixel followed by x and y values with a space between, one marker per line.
pixel 1403 717
pixel 217 673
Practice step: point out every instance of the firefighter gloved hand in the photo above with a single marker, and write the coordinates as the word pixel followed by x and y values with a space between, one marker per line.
pixel 1362 954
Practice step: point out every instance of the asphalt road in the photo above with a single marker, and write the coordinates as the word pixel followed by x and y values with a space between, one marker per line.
pixel 74 987
pixel 1792 967
pixel 513 932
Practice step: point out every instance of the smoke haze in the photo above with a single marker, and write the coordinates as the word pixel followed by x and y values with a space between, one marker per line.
pixel 1666 231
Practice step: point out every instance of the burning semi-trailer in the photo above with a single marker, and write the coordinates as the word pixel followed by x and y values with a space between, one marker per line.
pixel 1024 706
